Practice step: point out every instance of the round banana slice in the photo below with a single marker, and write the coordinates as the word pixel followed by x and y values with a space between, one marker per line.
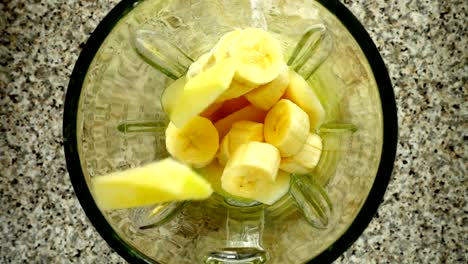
pixel 195 144
pixel 302 94
pixel 241 132
pixel 265 96
pixel 307 158
pixel 286 127
pixel 259 54
pixel 252 169
pixel 222 49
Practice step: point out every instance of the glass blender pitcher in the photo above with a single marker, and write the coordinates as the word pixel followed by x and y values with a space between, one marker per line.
pixel 114 121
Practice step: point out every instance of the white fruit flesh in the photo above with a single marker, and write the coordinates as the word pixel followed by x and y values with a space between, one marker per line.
pixel 195 144
pixel 259 54
pixel 224 150
pixel 239 85
pixel 212 173
pixel 301 94
pixel 307 158
pixel 274 191
pixel 251 169
pixel 291 166
pixel 241 132
pixel 222 49
pixel 286 127
pixel 157 182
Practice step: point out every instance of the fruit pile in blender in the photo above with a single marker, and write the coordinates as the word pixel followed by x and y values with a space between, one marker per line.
pixel 240 123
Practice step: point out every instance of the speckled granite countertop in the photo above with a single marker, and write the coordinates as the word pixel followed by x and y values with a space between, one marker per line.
pixel 423 218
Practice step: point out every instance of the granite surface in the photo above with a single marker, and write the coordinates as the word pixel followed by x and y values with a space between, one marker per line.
pixel 423 218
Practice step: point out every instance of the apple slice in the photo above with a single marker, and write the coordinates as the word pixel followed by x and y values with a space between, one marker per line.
pixel 158 182
pixel 198 93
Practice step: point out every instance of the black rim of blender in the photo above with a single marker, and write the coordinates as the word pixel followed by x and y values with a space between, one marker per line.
pixel 390 133
pixel 128 252
pixel 365 215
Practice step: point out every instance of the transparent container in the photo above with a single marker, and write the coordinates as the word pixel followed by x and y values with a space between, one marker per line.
pixel 113 120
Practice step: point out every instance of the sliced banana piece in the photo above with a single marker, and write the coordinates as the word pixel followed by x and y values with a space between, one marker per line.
pixel 224 151
pixel 259 54
pixel 241 132
pixel 195 144
pixel 286 127
pixel 307 158
pixel 274 191
pixel 248 113
pixel 222 49
pixel 265 96
pixel 212 173
pixel 301 94
pixel 251 170
pixel 201 91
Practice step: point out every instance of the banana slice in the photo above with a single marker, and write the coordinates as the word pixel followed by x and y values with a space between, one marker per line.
pixel 248 113
pixel 307 159
pixel 265 96
pixel 286 127
pixel 241 132
pixel 158 182
pixel 224 150
pixel 274 191
pixel 236 89
pixel 203 63
pixel 212 173
pixel 222 49
pixel 259 54
pixel 195 144
pixel 252 169
pixel 301 94
pixel 199 92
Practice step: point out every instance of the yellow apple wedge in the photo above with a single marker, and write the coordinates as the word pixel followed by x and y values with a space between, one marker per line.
pixel 198 93
pixel 157 182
